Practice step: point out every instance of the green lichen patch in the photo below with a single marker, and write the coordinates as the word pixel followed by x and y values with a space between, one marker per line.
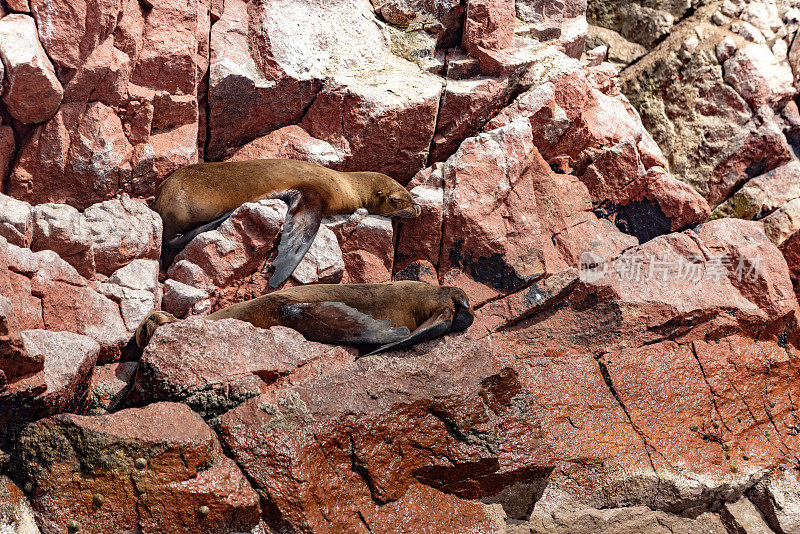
pixel 290 412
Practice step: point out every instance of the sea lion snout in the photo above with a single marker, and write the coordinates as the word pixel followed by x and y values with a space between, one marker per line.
pixel 463 315
pixel 412 212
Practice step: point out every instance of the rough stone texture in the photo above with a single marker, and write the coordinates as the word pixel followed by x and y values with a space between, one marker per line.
pixel 16 515
pixel 14 359
pixel 110 384
pixel 199 372
pixel 60 386
pixel 290 142
pixel 743 516
pixel 777 498
pixel 764 194
pixel 184 469
pixel 31 90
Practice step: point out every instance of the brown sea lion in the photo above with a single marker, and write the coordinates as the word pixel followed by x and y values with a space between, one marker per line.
pixel 199 197
pixel 389 316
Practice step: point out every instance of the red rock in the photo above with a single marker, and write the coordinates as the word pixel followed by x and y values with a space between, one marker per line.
pixel 290 142
pixel 273 98
pixel 180 299
pixel 395 134
pixel 367 246
pixel 16 515
pixel 420 239
pixel 760 77
pixel 70 31
pixel 466 105
pixel 15 221
pixel 102 76
pixel 8 149
pixel 19 5
pixel 62 229
pixel 120 231
pixel 489 25
pixel 191 362
pixel 32 92
pixel 83 151
pixel 184 469
pixel 677 200
pixel 442 19
pixel 14 359
pixel 561 24
pixel 109 386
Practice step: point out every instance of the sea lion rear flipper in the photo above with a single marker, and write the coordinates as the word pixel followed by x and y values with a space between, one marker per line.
pixel 435 326
pixel 299 229
pixel 335 322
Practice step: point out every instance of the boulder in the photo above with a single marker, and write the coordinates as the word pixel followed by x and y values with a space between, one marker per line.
pixel 110 384
pixel 16 515
pixel 31 90
pixel 151 469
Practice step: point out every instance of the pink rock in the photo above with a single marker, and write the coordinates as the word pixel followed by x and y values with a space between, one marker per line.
pixel 394 135
pixel 290 142
pixel 180 299
pixel 17 515
pixel 420 239
pixel 190 361
pixel 102 76
pixel 466 105
pixel 120 231
pixel 183 469
pixel 62 229
pixel 323 261
pixel 677 200
pixel 19 5
pixel 15 221
pixel 489 25
pixel 109 386
pixel 14 360
pixel 8 149
pixel 366 244
pixel 561 24
pixel 273 97
pixel 70 31
pixel 135 288
pixel 84 152
pixel 760 77
pixel 32 93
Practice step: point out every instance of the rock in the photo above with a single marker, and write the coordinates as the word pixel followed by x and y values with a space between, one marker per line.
pixel 179 299
pixel 70 31
pixel 577 519
pixel 297 427
pixel 323 261
pixel 763 194
pixel 135 287
pixel 32 92
pixel 62 229
pixel 84 153
pixel 59 387
pixel 367 246
pixel 416 241
pixel 562 25
pixel 783 223
pixel 441 19
pixel 14 359
pixel 489 25
pixel 191 362
pixel 466 106
pixel 777 496
pixel 122 230
pixel 759 77
pixel 15 221
pixel 743 516
pixel 290 142
pixel 16 515
pixel 110 384
pixel 164 450
pixel 620 50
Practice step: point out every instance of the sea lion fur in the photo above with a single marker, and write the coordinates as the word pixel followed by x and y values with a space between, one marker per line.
pixel 199 197
pixel 377 317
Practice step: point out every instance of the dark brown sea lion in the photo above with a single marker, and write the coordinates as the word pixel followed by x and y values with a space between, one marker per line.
pixel 383 317
pixel 199 197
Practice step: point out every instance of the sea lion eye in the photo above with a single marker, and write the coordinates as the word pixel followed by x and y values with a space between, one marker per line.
pixel 395 200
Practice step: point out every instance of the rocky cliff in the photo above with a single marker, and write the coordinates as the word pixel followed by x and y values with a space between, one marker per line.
pixel 618 199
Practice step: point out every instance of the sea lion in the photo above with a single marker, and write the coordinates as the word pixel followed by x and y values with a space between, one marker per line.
pixel 389 316
pixel 199 197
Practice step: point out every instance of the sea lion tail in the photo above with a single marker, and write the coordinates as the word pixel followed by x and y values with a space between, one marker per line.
pixel 149 324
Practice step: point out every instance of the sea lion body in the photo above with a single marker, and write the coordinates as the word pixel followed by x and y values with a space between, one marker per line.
pixel 199 197
pixel 391 315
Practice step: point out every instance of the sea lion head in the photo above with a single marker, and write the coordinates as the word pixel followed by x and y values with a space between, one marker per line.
pixel 463 315
pixel 148 326
pixel 389 198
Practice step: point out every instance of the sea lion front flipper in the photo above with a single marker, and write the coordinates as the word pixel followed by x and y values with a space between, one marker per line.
pixel 299 229
pixel 435 326
pixel 335 322
pixel 171 248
